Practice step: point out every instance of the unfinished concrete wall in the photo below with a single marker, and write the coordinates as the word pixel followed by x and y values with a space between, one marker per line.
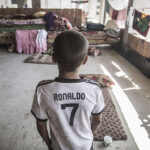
pixel 56 4
pixel 141 4
pixel 7 3
pixel 19 3
pixel 36 3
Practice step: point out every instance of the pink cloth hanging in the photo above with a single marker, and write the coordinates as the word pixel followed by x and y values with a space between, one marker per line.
pixel 122 15
pixel 26 42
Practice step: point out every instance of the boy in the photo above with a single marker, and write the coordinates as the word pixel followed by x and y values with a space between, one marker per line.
pixel 68 101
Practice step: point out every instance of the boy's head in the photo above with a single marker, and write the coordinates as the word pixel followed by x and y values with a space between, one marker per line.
pixel 70 50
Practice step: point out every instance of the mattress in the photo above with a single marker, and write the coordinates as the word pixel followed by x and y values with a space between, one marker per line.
pixel 9 22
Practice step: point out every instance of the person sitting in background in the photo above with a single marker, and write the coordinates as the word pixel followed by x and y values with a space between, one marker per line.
pixel 53 22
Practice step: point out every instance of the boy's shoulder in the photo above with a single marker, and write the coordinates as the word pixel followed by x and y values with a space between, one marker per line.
pixel 88 81
pixel 43 82
pixel 93 82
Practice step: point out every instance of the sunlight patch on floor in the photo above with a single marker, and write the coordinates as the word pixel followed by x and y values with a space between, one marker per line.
pixel 121 73
pixel 138 132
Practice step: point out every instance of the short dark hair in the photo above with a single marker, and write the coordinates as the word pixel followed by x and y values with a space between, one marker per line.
pixel 70 49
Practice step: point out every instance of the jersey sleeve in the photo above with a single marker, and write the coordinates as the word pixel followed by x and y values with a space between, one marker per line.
pixel 38 109
pixel 100 104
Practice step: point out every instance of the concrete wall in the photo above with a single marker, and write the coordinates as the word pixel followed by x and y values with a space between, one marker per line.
pixel 36 3
pixel 8 3
pixel 56 4
pixel 141 4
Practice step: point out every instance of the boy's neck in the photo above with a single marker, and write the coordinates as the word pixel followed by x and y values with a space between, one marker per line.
pixel 69 75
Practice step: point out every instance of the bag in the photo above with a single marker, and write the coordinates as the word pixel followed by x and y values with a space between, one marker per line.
pixel 95 26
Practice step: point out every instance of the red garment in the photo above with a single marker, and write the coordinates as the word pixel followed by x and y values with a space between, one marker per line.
pixel 115 14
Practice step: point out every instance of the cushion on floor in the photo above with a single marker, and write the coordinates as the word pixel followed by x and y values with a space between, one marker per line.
pixel 39 59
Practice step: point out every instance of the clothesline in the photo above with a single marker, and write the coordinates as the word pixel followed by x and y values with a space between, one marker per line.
pixel 114 8
pixel 115 14
pixel 79 2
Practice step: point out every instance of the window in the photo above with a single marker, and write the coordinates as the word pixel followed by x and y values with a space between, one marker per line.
pixel 97 13
pixel 98 0
pixel 14 1
pixel 98 7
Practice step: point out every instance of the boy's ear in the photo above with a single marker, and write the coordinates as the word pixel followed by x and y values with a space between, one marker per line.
pixel 85 60
pixel 53 58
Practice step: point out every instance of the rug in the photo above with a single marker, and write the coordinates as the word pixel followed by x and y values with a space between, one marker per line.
pixel 110 124
pixel 39 59
pixel 102 79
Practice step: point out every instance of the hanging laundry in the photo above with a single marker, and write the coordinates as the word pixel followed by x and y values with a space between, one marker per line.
pixel 41 41
pixel 122 15
pixel 110 12
pixel 25 41
pixel 31 41
pixel 79 2
pixel 140 23
pixel 115 14
pixel 107 7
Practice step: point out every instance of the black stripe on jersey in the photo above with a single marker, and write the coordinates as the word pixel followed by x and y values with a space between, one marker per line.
pixel 45 82
pixel 69 80
pixel 93 82
pixel 43 120
pixel 95 114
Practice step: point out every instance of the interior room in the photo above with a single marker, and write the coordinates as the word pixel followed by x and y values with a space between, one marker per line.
pixel 118 61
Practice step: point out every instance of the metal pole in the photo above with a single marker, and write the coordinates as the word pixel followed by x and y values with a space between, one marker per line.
pixel 104 19
pixel 125 35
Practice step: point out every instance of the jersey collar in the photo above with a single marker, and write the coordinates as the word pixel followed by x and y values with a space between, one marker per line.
pixel 69 80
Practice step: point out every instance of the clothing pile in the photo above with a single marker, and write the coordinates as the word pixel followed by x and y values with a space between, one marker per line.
pixel 9 23
pixel 95 37
pixel 53 22
pixel 52 35
pixel 93 51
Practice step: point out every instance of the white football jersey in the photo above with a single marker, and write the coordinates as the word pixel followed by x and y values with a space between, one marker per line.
pixel 68 105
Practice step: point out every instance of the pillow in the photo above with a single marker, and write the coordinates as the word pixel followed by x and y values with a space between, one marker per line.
pixel 39 14
pixel 111 24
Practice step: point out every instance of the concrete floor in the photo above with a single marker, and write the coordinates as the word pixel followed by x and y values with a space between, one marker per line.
pixel 18 82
